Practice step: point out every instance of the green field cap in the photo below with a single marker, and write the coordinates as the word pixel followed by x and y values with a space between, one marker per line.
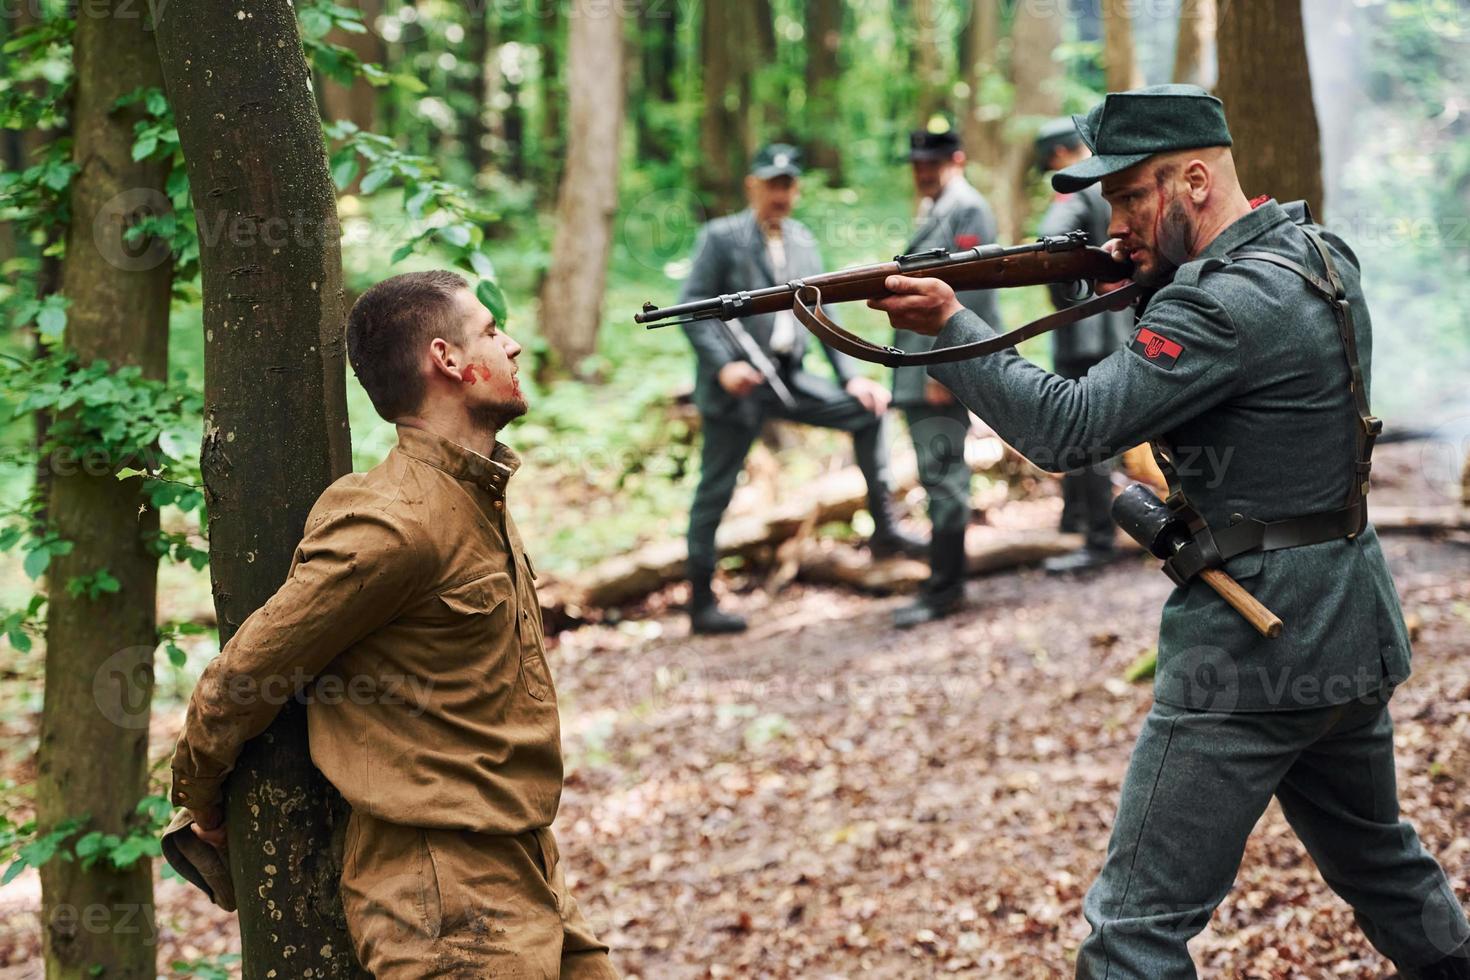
pixel 1127 128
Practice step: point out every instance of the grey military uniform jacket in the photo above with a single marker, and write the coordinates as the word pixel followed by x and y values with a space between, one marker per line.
pixel 730 256
pixel 1240 368
pixel 961 218
pixel 1098 336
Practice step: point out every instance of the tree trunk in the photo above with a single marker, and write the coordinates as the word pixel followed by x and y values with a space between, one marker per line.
pixel 1034 76
pixel 928 64
pixel 93 754
pixel 1119 64
pixel 571 296
pixel 275 427
pixel 358 101
pixel 823 81
pixel 1194 52
pixel 553 95
pixel 473 131
pixel 980 122
pixel 1277 148
pixel 735 38
pixel 658 67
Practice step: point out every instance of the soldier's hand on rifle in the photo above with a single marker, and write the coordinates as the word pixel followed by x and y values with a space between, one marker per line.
pixel 209 825
pixel 1114 247
pixel 921 305
pixel 873 396
pixel 739 378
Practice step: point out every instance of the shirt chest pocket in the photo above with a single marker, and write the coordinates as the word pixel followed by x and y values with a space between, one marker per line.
pixel 483 596
pixel 489 612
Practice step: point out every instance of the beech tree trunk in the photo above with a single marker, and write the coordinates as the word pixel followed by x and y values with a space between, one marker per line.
pixel 735 38
pixel 1274 123
pixel 93 754
pixel 1119 63
pixel 571 295
pixel 928 64
pixel 980 122
pixel 275 426
pixel 823 76
pixel 1194 61
pixel 1034 76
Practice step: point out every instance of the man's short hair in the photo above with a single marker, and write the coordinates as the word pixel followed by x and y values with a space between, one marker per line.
pixel 387 331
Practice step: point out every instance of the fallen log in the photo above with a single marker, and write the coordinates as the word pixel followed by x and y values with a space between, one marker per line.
pixel 1420 520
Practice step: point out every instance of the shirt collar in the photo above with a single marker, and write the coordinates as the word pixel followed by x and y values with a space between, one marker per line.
pixel 1246 228
pixel 489 473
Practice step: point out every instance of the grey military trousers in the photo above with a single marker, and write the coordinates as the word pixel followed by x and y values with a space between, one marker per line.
pixel 727 440
pixel 1198 782
pixel 939 435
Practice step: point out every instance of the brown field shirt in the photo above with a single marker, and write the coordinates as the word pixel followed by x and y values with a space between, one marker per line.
pixel 410 621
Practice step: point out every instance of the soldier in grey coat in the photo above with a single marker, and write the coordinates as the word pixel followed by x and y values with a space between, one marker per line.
pixel 1249 367
pixel 953 216
pixel 1087 493
pixel 759 247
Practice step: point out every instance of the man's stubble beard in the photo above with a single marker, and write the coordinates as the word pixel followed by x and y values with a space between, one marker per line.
pixel 494 416
pixel 1171 249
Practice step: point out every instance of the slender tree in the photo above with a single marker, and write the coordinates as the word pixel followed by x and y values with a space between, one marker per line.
pixel 571 296
pixel 823 81
pixel 735 39
pixel 93 755
pixel 275 425
pixel 929 68
pixel 1194 50
pixel 1119 62
pixel 1278 149
pixel 1034 75
pixel 980 123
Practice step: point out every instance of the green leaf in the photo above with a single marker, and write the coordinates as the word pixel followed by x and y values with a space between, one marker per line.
pixel 19 639
pixel 490 293
pixel 480 262
pixel 402 252
pixel 176 655
pixel 51 320
pixel 36 562
pixel 145 145
pixel 344 171
pixel 376 178
pixel 410 84
pixel 456 235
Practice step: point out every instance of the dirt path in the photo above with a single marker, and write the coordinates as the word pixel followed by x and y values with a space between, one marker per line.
pixel 825 797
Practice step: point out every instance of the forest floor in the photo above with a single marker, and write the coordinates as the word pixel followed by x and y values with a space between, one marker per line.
pixel 826 797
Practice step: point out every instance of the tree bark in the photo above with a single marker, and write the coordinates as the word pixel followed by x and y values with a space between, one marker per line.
pixel 358 101
pixel 571 296
pixel 1035 34
pixel 1119 63
pixel 735 38
pixel 93 754
pixel 823 79
pixel 275 426
pixel 980 122
pixel 1267 91
pixel 473 130
pixel 657 56
pixel 1194 62
pixel 928 64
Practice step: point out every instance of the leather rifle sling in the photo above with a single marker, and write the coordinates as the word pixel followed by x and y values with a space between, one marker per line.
pixel 806 303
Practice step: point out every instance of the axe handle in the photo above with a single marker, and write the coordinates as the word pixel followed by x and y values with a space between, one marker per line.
pixel 1267 623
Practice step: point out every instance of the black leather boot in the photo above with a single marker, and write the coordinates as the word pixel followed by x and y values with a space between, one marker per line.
pixel 944 592
pixel 1455 966
pixel 889 539
pixel 705 614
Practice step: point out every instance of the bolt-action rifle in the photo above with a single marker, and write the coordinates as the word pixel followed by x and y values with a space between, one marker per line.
pixel 1053 259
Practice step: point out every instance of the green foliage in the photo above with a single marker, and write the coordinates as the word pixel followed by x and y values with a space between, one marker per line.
pixel 222 967
pixel 1143 668
pixel 25 847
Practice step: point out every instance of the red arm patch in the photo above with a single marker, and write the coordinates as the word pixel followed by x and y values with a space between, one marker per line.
pixel 1156 348
pixel 966 241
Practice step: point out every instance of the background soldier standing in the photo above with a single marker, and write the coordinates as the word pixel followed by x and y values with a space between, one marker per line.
pixel 1087 493
pixel 764 246
pixel 1257 343
pixel 952 215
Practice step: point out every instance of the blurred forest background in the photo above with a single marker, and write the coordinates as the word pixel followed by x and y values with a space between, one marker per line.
pixel 565 151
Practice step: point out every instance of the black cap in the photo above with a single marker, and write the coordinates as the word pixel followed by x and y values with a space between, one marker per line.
pixel 776 160
pixel 925 145
pixel 1054 135
pixel 1127 128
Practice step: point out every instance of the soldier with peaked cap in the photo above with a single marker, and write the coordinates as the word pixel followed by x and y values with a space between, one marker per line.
pixel 1087 493
pixel 1254 349
pixel 764 246
pixel 953 216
